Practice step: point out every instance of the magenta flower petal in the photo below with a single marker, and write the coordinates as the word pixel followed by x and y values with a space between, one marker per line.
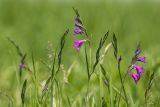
pixel 136 77
pixel 77 31
pixel 78 44
pixel 141 59
pixel 140 70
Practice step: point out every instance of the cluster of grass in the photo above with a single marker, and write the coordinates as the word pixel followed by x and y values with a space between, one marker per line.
pixel 56 75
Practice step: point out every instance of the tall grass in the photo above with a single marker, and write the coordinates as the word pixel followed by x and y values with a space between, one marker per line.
pixel 88 78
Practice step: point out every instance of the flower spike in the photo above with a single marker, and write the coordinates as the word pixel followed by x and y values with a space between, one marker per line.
pixel 139 70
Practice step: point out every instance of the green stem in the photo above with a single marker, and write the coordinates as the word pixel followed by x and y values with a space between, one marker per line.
pixel 110 91
pixel 101 87
pixel 52 79
pixel 122 83
pixel 87 64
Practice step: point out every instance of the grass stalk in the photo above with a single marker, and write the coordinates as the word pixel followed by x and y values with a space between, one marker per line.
pixel 122 83
pixel 110 91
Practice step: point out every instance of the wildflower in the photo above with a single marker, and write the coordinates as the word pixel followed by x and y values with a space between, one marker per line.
pixel 140 70
pixel 136 77
pixel 78 44
pixel 141 59
pixel 77 31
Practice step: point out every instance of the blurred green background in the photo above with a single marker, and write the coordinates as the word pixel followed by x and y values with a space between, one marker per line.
pixel 32 23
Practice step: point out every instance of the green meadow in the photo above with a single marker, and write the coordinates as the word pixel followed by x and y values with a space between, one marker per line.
pixel 37 26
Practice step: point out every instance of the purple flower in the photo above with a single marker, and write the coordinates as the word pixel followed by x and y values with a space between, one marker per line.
pixel 77 31
pixel 140 70
pixel 78 44
pixel 22 65
pixel 136 77
pixel 141 59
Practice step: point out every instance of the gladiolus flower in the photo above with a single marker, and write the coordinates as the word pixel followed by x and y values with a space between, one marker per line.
pixel 78 44
pixel 140 70
pixel 136 77
pixel 77 31
pixel 141 59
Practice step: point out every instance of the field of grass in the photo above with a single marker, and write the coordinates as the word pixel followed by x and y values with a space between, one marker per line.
pixel 37 26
